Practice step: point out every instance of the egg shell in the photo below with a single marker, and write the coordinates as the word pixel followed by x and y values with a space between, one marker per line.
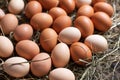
pixel 8 23
pixel 67 5
pixel 27 49
pixel 96 1
pixel 105 7
pixel 23 32
pixel 41 68
pixel 50 3
pixel 61 22
pixel 61 74
pixel 80 53
pixel 96 43
pixel 85 10
pixel 69 35
pixel 60 55
pixel 79 3
pixel 32 8
pixel 48 39
pixel 85 25
pixel 12 68
pixel 16 6
pixel 2 13
pixel 55 12
pixel 41 21
pixel 101 21
pixel 6 47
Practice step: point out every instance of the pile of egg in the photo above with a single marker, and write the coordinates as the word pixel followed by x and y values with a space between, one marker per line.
pixel 61 37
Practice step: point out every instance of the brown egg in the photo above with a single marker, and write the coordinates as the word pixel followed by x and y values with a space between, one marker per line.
pixel 50 3
pixel 55 12
pixel 102 21
pixel 80 53
pixel 61 74
pixel 48 39
pixel 67 5
pixel 62 22
pixel 96 1
pixel 96 43
pixel 27 49
pixel 23 32
pixel 85 10
pixel 6 47
pixel 105 7
pixel 79 3
pixel 32 8
pixel 9 23
pixel 60 55
pixel 2 14
pixel 69 35
pixel 41 21
pixel 40 68
pixel 13 67
pixel 85 25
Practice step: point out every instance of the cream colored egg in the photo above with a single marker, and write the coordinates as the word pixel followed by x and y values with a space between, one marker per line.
pixel 15 67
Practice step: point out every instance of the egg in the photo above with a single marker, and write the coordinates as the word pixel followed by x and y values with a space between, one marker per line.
pixel 67 5
pixel 80 53
pixel 55 12
pixel 96 43
pixel 15 67
pixel 23 32
pixel 61 22
pixel 48 39
pixel 85 25
pixel 96 1
pixel 6 47
pixel 79 3
pixel 101 21
pixel 50 3
pixel 27 49
pixel 85 10
pixel 41 68
pixel 16 6
pixel 41 21
pixel 32 8
pixel 2 13
pixel 69 35
pixel 105 7
pixel 61 74
pixel 9 23
pixel 60 55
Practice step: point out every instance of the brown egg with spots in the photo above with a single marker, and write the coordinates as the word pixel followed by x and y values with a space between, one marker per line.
pixel 48 39
pixel 32 8
pixel 104 7
pixel 48 4
pixel 85 10
pixel 23 32
pixel 41 21
pixel 80 53
pixel 67 5
pixel 8 23
pixel 55 12
pixel 101 21
pixel 61 22
pixel 27 49
pixel 85 25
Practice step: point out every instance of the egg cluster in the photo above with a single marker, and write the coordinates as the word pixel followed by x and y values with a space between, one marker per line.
pixel 61 36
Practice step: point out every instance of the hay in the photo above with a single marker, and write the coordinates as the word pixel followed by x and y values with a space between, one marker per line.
pixel 105 66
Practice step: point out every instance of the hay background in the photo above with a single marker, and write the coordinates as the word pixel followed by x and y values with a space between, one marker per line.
pixel 105 66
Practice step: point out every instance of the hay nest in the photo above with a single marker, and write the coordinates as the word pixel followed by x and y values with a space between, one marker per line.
pixel 105 66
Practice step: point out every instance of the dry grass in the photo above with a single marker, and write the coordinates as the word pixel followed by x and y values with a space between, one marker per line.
pixel 104 66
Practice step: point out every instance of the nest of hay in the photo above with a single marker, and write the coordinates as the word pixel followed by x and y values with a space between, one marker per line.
pixel 105 66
